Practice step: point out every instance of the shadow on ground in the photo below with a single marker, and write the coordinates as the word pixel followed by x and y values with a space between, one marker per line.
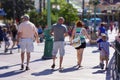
pixel 11 73
pixel 44 72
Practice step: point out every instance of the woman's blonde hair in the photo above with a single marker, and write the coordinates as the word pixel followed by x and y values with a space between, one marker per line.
pixel 79 23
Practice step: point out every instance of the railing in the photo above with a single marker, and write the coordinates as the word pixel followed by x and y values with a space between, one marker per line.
pixel 116 62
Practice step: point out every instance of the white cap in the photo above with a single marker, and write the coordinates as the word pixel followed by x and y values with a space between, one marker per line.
pixel 103 34
pixel 61 18
pixel 26 16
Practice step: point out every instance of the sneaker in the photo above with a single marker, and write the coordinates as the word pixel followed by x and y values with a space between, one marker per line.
pixel 61 69
pixel 102 65
pixel 53 66
pixel 27 68
pixel 22 67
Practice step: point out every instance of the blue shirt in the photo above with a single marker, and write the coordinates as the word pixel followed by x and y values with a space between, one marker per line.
pixel 102 30
pixel 105 46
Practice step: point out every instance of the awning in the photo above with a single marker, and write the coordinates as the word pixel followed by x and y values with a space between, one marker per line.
pixel 97 19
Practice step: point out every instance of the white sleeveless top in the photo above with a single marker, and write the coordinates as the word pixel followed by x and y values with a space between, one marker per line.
pixel 79 33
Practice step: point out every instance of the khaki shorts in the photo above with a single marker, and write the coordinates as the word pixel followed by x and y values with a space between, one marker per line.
pixel 26 44
pixel 58 46
pixel 104 56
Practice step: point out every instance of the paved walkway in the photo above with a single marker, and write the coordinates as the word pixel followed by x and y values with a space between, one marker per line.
pixel 40 69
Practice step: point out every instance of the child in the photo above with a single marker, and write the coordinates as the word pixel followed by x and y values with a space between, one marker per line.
pixel 6 39
pixel 104 51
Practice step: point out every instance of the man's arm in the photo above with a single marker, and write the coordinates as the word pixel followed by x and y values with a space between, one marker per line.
pixel 36 36
pixel 18 37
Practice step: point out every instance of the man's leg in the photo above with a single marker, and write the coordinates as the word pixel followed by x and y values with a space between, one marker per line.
pixel 22 60
pixel 53 65
pixel 28 60
pixel 62 52
pixel 61 60
pixel 54 52
pixel 54 57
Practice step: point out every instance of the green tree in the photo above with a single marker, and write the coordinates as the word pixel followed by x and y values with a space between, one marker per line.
pixel 69 13
pixel 66 10
pixel 38 18
pixel 16 8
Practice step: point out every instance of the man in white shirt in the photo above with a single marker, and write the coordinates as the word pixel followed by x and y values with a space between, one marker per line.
pixel 26 33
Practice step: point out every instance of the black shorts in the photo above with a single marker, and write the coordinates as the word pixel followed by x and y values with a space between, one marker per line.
pixel 83 45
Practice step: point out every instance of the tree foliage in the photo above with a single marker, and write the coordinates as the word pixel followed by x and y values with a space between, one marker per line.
pixel 26 6
pixel 16 8
pixel 38 18
pixel 69 13
pixel 66 10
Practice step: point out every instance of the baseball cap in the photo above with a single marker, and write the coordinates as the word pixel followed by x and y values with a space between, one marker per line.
pixel 61 18
pixel 26 16
pixel 103 34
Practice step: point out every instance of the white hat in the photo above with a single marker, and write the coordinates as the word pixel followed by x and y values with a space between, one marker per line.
pixel 26 16
pixel 61 18
pixel 103 34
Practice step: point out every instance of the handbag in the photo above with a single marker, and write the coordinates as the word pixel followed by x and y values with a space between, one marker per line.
pixel 76 42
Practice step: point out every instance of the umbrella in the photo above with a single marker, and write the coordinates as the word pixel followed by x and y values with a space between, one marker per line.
pixel 97 19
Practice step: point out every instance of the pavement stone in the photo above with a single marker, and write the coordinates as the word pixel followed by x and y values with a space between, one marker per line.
pixel 40 69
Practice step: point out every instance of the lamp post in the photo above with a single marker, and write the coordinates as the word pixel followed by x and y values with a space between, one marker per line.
pixel 83 6
pixel 119 20
pixel 108 12
pixel 40 6
pixel 95 3
pixel 48 39
pixel 67 1
pixel 14 11
pixel 93 32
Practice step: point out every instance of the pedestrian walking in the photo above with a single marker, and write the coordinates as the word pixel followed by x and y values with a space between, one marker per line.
pixel 104 51
pixel 59 31
pixel 82 33
pixel 26 33
pixel 102 29
pixel 6 39
pixel 40 33
pixel 111 26
pixel 13 36
pixel 1 36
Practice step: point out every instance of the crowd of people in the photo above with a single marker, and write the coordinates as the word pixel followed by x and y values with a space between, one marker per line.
pixel 24 35
pixel 5 34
